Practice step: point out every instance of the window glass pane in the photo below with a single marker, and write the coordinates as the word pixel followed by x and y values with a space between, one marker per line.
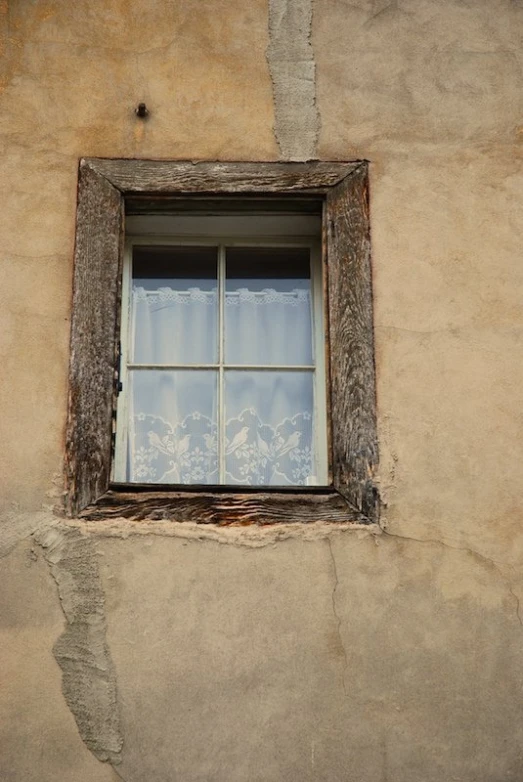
pixel 173 426
pixel 269 428
pixel 174 305
pixel 268 306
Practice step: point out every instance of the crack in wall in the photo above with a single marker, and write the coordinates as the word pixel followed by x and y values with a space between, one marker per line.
pixel 484 560
pixel 292 67
pixel 338 618
pixel 82 651
pixel 119 775
pixel 516 598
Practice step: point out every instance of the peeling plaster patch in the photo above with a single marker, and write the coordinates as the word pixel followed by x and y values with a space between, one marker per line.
pixel 82 652
pixel 251 537
pixel 293 73
pixel 15 525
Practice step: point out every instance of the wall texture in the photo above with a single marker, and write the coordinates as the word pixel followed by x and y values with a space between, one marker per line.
pixel 165 651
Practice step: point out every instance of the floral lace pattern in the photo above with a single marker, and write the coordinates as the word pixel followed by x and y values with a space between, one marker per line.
pixel 266 296
pixel 232 298
pixel 256 454
pixel 165 294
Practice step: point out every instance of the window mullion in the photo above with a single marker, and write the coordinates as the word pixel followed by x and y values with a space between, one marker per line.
pixel 221 356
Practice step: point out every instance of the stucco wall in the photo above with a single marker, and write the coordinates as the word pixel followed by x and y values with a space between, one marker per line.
pixel 284 654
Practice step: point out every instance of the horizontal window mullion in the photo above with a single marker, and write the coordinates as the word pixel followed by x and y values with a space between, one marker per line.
pixel 271 367
pixel 236 367
pixel 173 366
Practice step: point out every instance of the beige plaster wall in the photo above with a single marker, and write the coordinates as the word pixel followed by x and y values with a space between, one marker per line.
pixel 289 654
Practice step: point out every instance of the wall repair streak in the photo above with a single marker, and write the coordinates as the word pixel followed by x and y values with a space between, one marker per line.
pixel 293 73
pixel 82 652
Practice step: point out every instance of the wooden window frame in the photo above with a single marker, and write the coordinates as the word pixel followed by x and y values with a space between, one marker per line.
pixel 104 187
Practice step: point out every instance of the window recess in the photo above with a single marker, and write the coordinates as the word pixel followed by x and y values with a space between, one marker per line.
pixel 208 420
pixel 223 370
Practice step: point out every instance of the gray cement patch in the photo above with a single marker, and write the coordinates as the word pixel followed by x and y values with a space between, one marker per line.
pixel 293 72
pixel 82 652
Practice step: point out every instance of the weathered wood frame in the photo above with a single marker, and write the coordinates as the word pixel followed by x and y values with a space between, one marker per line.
pixel 103 189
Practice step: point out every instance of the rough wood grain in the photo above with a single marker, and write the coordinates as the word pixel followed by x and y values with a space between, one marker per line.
pixel 352 374
pixel 93 339
pixel 221 508
pixel 167 177
pixel 326 315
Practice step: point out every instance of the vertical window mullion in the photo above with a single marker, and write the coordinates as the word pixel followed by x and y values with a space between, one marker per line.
pixel 221 358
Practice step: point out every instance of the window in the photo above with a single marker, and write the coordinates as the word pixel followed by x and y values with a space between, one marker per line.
pixel 222 377
pixel 275 431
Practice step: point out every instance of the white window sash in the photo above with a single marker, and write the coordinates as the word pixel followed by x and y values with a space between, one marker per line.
pixel 318 318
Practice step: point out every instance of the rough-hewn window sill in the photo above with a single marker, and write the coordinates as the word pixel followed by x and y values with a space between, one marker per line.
pixel 220 505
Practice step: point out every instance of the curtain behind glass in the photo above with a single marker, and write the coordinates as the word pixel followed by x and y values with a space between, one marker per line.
pixel 174 427
pixel 174 310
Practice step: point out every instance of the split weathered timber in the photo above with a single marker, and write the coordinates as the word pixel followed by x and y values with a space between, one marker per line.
pixel 99 235
pixel 325 288
pixel 168 177
pixel 222 508
pixel 351 343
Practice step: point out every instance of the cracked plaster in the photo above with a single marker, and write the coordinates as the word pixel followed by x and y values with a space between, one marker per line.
pixel 403 634
pixel 336 617
pixel 186 577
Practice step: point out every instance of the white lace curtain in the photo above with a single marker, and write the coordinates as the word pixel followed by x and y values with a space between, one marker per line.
pixel 174 423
